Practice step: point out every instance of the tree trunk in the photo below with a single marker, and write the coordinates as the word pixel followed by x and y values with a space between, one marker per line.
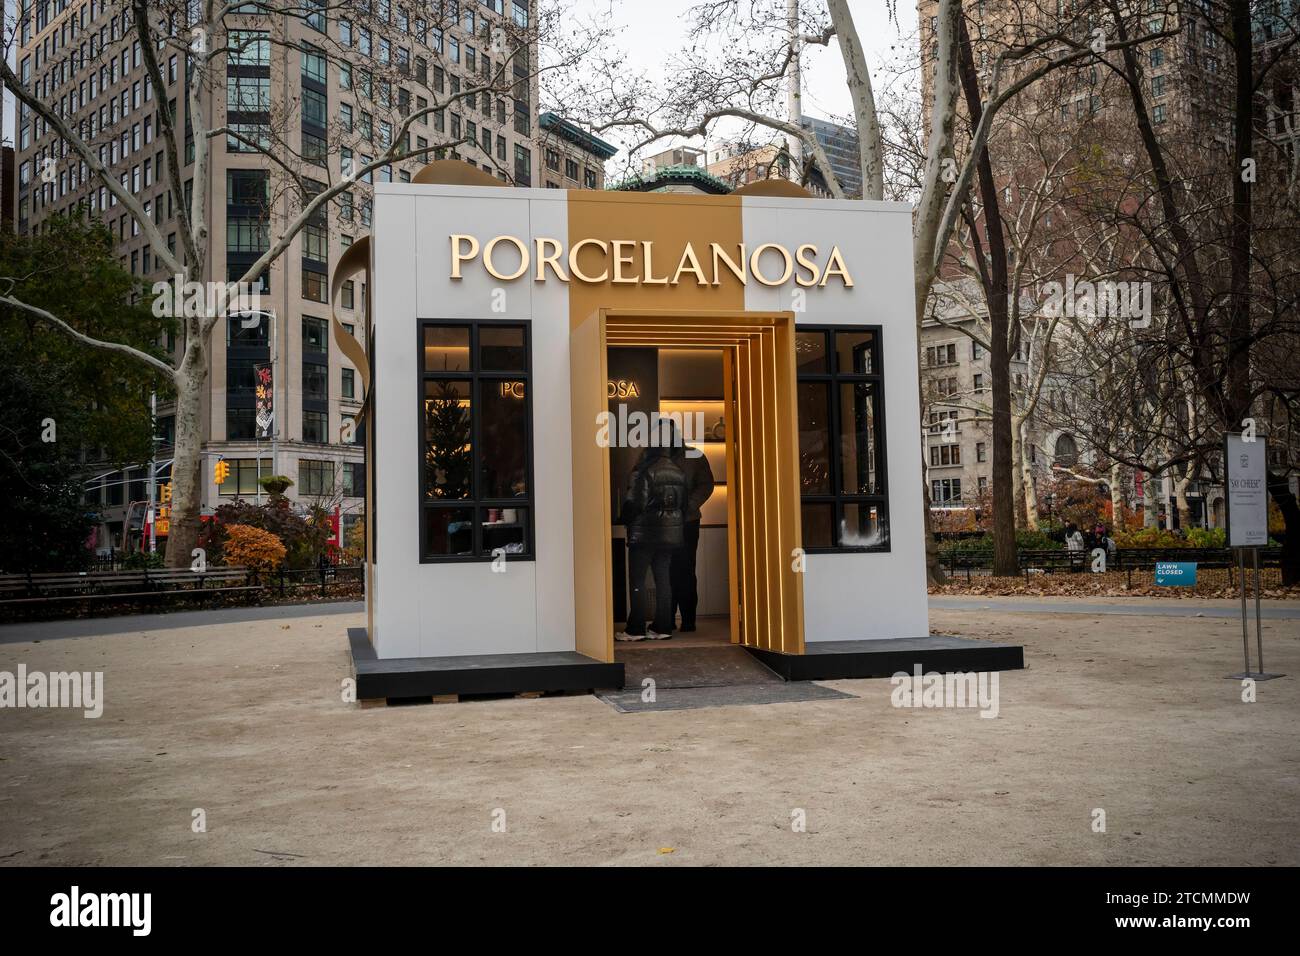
pixel 187 463
pixel 1290 508
pixel 1018 478
pixel 1238 399
pixel 996 285
pixel 858 74
pixel 1184 506
pixel 1116 499
pixel 1150 511
pixel 1027 479
pixel 934 573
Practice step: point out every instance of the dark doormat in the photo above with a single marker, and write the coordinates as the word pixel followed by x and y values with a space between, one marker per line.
pixel 689 698
pixel 706 665
pixel 720 675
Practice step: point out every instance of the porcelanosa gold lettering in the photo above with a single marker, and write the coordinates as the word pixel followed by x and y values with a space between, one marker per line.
pixel 770 264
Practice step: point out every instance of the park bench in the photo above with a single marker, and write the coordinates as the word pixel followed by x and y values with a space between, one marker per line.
pixel 52 587
pixel 1047 562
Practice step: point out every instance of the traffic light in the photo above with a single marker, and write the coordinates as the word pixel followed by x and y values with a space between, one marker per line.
pixel 220 472
pixel 167 492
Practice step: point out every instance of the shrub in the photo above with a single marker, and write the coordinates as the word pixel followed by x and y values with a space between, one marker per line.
pixel 252 548
pixel 354 549
pixel 142 560
pixel 1207 538
pixel 276 485
pixel 303 539
pixel 1040 540
pixel 1150 538
pixel 1026 540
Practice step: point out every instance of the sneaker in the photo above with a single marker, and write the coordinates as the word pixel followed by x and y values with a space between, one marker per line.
pixel 653 635
pixel 625 636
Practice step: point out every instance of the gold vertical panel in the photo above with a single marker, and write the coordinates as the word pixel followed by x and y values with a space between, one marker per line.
pixel 593 573
pixel 668 221
pixel 763 468
pixel 787 457
pixel 729 427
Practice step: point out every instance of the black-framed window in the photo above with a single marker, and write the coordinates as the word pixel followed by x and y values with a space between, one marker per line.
pixel 243 476
pixel 842 469
pixel 476 461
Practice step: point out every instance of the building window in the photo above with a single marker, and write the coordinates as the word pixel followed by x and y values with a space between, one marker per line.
pixel 941 355
pixel 315 380
pixel 315 335
pixel 842 439
pixel 243 476
pixel 349 387
pixel 981 451
pixel 315 426
pixel 315 477
pixel 248 94
pixel 476 476
pixel 523 165
pixel 1067 452
pixel 315 286
pixel 354 479
pixel 945 491
pixel 942 455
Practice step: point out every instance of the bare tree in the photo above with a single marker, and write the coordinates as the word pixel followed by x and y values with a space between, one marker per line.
pixel 188 45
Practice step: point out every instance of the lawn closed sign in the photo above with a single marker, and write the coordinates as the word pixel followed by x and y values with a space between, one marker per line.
pixel 1176 573
pixel 1244 473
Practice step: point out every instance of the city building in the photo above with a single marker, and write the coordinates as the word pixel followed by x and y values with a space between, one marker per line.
pixel 956 397
pixel 679 178
pixel 674 156
pixel 840 144
pixel 329 91
pixel 572 158
pixel 739 163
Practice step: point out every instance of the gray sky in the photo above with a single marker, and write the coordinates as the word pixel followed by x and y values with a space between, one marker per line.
pixel 655 29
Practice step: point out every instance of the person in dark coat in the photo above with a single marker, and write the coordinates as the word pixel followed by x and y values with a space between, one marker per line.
pixel 699 487
pixel 653 515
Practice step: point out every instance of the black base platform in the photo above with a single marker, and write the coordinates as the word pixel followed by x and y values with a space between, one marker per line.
pixel 839 660
pixel 406 677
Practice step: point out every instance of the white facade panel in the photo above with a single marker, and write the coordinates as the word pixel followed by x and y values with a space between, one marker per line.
pixel 868 595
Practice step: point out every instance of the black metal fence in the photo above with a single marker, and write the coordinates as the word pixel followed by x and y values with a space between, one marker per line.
pixel 320 581
pixel 1215 567
pixel 118 560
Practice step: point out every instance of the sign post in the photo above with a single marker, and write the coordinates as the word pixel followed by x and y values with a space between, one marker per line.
pixel 1245 475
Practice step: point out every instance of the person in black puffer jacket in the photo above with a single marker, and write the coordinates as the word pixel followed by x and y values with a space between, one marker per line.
pixel 653 512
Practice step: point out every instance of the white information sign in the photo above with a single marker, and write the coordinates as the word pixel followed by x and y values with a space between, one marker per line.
pixel 1245 471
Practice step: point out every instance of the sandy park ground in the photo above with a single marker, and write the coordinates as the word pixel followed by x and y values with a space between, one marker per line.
pixel 1124 712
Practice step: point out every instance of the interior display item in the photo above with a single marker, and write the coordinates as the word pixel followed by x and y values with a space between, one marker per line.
pixel 719 430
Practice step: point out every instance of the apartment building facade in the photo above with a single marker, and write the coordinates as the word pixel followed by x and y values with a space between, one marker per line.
pixel 324 88
pixel 956 390
pixel 571 157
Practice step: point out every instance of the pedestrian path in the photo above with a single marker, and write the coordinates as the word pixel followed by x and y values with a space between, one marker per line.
pixel 1269 610
pixel 135 623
